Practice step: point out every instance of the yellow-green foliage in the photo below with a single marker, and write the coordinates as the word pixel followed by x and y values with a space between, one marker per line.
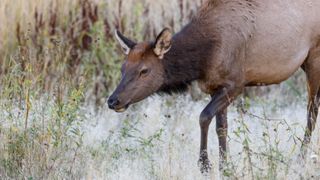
pixel 56 44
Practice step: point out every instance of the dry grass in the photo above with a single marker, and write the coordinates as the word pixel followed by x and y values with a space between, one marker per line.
pixel 273 153
pixel 157 139
pixel 58 57
pixel 53 43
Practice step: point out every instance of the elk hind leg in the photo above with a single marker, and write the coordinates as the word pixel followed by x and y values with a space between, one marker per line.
pixel 312 69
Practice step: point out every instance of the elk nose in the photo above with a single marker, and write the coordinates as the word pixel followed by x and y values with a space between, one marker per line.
pixel 113 102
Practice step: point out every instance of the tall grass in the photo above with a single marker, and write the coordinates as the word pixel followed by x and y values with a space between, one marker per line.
pixel 51 43
pixel 63 53
pixel 58 57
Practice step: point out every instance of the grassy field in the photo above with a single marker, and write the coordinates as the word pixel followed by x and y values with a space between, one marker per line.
pixel 58 64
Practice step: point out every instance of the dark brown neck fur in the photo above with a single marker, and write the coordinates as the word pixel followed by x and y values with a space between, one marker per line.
pixel 186 60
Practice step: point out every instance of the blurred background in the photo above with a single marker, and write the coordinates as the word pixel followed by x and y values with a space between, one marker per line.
pixel 59 61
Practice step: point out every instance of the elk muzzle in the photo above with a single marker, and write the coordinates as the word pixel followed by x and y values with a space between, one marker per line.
pixel 115 104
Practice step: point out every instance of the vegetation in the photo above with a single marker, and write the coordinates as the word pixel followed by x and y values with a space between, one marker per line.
pixel 58 63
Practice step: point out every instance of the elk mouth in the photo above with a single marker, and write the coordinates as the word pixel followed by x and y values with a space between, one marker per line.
pixel 121 109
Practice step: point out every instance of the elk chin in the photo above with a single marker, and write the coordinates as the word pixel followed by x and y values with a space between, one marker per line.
pixel 121 109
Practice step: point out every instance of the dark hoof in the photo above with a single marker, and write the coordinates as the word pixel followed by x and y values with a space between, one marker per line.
pixel 204 165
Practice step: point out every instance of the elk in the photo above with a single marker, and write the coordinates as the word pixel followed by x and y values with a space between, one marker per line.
pixel 227 46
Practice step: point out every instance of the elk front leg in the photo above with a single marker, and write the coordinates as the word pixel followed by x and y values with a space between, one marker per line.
pixel 219 102
pixel 222 132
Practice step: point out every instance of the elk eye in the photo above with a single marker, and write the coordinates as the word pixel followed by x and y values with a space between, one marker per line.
pixel 144 72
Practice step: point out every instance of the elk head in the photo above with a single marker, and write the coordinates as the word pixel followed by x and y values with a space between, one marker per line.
pixel 142 70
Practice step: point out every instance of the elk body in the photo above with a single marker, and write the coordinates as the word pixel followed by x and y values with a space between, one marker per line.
pixel 228 45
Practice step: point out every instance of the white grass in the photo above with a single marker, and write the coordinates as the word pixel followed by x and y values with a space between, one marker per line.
pixel 175 155
pixel 159 139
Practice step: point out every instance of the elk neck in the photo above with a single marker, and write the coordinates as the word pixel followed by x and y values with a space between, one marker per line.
pixel 186 60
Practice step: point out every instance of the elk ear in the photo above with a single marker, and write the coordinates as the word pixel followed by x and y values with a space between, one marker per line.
pixel 163 43
pixel 125 43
